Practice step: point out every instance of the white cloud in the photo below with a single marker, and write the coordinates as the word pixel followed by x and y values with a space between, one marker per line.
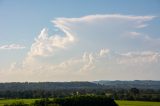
pixel 90 66
pixel 11 47
pixel 139 57
pixel 108 30
pixel 92 18
pixel 46 45
pixel 142 26
pixel 133 34
pixel 91 33
pixel 103 52
pixel 88 60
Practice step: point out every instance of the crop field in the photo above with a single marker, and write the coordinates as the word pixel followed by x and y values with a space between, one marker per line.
pixel 119 102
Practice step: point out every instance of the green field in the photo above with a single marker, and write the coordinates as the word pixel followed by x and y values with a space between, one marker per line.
pixel 137 103
pixel 121 103
pixel 9 101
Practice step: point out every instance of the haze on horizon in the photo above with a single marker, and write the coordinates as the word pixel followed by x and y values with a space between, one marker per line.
pixel 78 40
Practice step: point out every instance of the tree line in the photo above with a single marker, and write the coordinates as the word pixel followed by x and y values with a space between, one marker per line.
pixel 87 100
pixel 64 89
pixel 117 94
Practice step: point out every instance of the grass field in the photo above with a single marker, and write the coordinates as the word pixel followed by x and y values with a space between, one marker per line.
pixel 137 103
pixel 119 102
pixel 9 101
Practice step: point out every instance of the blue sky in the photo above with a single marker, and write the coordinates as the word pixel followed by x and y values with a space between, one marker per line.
pixel 66 40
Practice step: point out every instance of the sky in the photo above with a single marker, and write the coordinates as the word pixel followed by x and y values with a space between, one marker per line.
pixel 79 40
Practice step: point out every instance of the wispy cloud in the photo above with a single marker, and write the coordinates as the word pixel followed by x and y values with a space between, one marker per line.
pixel 139 57
pixel 11 47
pixel 91 18
pixel 133 34
pixel 136 21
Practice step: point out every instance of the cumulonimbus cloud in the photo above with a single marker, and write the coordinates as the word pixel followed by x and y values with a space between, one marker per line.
pixel 45 44
pixel 95 63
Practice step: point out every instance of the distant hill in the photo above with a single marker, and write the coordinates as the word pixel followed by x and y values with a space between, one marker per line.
pixel 141 84
pixel 15 86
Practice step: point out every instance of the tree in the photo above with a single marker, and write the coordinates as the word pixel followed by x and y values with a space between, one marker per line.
pixel 134 91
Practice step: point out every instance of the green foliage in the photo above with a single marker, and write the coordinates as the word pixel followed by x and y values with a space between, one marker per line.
pixel 77 101
pixel 118 90
pixel 42 102
pixel 135 91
